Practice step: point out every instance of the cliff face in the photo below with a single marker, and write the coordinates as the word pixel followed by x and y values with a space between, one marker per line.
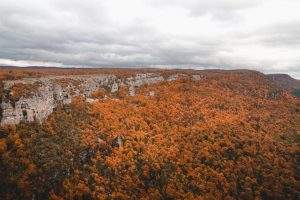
pixel 38 104
pixel 31 99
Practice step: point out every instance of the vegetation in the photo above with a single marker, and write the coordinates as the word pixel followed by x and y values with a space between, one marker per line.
pixel 233 135
pixel 296 92
pixel 19 90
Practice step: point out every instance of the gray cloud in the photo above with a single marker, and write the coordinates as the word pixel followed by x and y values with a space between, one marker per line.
pixel 220 9
pixel 201 34
pixel 282 35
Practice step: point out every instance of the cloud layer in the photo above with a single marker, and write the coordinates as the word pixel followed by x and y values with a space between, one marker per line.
pixel 256 34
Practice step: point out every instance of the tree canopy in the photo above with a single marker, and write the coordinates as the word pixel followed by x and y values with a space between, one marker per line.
pixel 230 136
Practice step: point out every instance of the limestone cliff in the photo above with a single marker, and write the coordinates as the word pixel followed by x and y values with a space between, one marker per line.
pixel 38 97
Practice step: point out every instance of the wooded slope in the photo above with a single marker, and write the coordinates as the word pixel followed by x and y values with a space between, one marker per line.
pixel 232 135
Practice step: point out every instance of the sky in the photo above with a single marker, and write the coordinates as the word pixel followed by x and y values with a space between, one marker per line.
pixel 261 35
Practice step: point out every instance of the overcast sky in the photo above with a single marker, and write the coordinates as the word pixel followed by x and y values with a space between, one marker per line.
pixel 255 34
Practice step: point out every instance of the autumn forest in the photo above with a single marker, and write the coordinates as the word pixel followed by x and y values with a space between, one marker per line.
pixel 230 135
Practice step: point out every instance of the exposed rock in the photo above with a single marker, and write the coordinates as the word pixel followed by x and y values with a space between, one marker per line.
pixel 151 93
pixel 131 90
pixel 114 88
pixel 55 90
pixel 172 77
pixel 197 77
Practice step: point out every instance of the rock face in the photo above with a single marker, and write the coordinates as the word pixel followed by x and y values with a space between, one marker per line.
pixel 55 90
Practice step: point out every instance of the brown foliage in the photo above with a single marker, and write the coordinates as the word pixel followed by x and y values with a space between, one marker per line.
pixel 19 90
pixel 230 136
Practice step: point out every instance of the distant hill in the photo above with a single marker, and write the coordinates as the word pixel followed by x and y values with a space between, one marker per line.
pixel 286 82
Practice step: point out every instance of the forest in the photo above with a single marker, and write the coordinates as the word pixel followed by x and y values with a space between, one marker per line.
pixel 233 135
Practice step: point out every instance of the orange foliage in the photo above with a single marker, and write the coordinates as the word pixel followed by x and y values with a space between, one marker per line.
pixel 23 90
pixel 3 146
pixel 230 136
pixel 99 94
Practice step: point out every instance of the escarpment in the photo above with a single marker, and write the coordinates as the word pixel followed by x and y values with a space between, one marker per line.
pixel 33 99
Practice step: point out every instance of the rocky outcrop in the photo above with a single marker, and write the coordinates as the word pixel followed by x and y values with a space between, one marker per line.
pixel 55 90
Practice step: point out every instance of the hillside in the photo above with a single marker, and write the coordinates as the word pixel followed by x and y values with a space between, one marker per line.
pixel 210 134
pixel 286 82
